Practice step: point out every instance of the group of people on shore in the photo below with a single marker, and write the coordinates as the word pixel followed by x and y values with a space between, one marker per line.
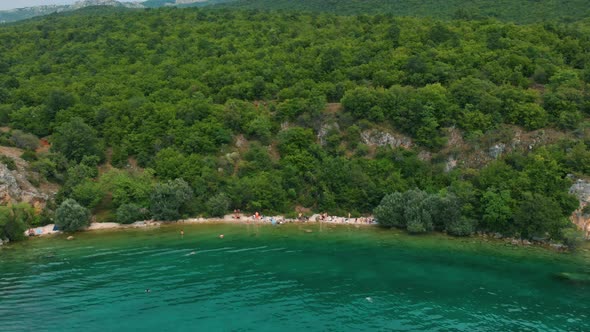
pixel 322 217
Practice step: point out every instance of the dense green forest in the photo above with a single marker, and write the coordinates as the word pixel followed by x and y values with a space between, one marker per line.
pixel 519 11
pixel 167 113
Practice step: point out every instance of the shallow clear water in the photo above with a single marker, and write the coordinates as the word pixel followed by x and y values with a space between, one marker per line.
pixel 264 278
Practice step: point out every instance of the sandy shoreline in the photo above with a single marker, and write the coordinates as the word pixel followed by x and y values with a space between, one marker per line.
pixel 228 219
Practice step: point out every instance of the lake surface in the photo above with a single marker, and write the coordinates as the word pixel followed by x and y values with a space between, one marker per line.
pixel 264 278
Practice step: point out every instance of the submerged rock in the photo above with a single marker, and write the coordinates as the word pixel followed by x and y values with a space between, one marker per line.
pixel 574 277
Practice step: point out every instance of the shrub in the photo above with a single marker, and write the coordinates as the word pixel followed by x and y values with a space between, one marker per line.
pixel 45 167
pixel 391 210
pixel 88 193
pixel 14 220
pixel 29 155
pixel 572 237
pixel 462 226
pixel 129 213
pixel 71 216
pixel 168 200
pixel 218 205
pixel 25 140
pixel 9 162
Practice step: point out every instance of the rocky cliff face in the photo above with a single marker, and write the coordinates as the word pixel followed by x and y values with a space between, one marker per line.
pixel 15 186
pixel 582 219
pixel 381 138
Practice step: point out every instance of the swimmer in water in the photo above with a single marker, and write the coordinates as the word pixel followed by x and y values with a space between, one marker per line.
pixel 221 236
pixel 182 232
pixel 147 290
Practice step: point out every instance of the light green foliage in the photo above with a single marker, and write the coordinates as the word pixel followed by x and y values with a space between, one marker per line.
pixel 418 212
pixel 71 216
pixel 497 210
pixel 88 193
pixel 129 187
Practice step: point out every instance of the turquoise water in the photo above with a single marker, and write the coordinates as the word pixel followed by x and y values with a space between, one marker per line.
pixel 264 278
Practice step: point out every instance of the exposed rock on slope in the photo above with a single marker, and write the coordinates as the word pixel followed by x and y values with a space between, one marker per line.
pixel 582 190
pixel 15 187
pixel 380 138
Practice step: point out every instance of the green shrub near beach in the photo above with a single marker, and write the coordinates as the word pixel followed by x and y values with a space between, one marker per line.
pixel 14 220
pixel 71 216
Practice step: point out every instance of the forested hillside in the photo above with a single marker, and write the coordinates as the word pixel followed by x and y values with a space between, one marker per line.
pixel 518 11
pixel 182 112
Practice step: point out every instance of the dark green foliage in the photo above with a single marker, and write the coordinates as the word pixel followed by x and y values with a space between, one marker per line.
pixel 129 213
pixel 75 140
pixel 572 237
pixel 236 103
pixel 14 220
pixel 9 162
pixel 462 226
pixel 218 205
pixel 29 155
pixel 71 216
pixel 516 11
pixel 538 215
pixel 263 193
pixel 168 200
pixel 45 167
pixel 420 212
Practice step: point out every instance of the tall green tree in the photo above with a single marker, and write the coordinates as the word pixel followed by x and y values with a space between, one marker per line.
pixel 75 140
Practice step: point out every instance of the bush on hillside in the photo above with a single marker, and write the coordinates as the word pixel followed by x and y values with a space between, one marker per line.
pixel 25 140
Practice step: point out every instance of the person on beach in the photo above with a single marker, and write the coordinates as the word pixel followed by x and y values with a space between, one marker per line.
pixel 256 215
